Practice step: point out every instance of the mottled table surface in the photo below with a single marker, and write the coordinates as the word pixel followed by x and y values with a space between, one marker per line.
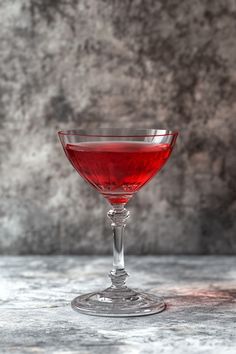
pixel 35 295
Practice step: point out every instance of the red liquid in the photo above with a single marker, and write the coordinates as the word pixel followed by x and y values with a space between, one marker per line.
pixel 118 169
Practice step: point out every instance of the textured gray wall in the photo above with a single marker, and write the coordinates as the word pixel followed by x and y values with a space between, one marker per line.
pixel 82 64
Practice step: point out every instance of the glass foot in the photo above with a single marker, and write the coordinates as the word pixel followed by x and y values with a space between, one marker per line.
pixel 114 302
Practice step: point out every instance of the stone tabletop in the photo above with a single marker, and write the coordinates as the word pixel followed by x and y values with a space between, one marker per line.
pixel 35 295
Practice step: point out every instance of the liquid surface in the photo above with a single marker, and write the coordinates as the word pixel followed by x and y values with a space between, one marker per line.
pixel 118 169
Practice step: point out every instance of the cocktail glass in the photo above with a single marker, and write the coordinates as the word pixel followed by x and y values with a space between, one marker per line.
pixel 118 162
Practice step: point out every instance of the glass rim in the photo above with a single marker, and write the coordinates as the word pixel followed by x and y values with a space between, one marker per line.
pixel 118 132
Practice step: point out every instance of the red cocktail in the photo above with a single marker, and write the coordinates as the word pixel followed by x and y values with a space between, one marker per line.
pixel 118 162
pixel 117 169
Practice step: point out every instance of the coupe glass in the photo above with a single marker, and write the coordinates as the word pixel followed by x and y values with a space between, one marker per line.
pixel 117 163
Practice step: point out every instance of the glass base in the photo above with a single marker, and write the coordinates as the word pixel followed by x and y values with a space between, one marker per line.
pixel 122 302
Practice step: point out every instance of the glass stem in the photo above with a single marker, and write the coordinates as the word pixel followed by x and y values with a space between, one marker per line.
pixel 118 214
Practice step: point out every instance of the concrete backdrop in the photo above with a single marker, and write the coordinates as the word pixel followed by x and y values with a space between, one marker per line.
pixel 83 64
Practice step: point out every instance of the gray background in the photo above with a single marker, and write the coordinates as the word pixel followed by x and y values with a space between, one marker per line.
pixel 85 64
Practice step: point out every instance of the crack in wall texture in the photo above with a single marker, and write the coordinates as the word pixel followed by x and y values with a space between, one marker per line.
pixel 85 64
